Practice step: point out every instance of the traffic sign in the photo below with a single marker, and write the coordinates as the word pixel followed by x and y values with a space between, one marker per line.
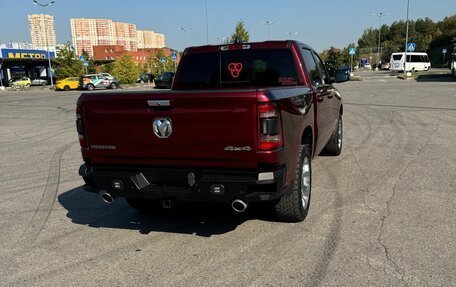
pixel 411 47
pixel 81 58
pixel 163 60
pixel 85 64
pixel 174 56
pixel 444 51
pixel 352 51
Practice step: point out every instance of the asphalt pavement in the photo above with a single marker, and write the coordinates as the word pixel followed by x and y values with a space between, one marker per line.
pixel 382 213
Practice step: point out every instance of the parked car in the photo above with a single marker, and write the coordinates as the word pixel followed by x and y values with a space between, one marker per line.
pixel 367 66
pixel 145 78
pixel 67 84
pixel 20 82
pixel 98 81
pixel 164 80
pixel 385 66
pixel 39 82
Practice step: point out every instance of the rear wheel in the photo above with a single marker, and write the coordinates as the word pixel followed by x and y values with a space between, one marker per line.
pixel 66 88
pixel 43 84
pixel 334 145
pixel 294 206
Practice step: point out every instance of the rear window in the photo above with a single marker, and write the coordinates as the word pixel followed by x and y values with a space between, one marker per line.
pixel 237 68
pixel 397 57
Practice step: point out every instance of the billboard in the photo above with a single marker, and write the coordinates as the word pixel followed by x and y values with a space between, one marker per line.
pixel 25 54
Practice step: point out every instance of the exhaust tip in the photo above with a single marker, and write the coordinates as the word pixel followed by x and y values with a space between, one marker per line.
pixel 239 205
pixel 107 197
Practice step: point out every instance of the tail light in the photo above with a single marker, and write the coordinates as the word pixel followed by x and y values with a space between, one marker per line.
pixel 269 125
pixel 80 126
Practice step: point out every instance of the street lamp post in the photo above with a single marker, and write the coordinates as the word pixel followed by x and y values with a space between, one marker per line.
pixel 269 23
pixel 45 36
pixel 406 39
pixel 185 30
pixel 380 15
pixel 291 34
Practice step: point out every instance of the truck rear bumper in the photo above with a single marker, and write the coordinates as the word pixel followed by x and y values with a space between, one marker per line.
pixel 196 185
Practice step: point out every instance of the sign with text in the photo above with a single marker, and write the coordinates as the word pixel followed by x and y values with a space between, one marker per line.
pixel 25 54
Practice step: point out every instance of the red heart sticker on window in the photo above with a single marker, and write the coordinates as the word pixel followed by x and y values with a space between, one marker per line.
pixel 235 69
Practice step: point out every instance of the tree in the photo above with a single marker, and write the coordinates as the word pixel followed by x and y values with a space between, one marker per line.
pixel 91 68
pixel 240 32
pixel 125 69
pixel 107 68
pixel 333 60
pixel 155 66
pixel 66 64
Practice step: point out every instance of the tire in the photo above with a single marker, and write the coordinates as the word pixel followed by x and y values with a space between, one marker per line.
pixel 294 205
pixel 90 87
pixel 113 86
pixel 143 204
pixel 67 88
pixel 334 145
pixel 43 84
pixel 13 87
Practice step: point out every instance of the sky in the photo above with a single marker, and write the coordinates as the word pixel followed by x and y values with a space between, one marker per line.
pixel 318 23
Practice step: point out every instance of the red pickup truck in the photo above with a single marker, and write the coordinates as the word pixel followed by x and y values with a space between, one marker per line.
pixel 241 124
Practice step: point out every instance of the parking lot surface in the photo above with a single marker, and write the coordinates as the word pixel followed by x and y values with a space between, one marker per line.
pixel 382 213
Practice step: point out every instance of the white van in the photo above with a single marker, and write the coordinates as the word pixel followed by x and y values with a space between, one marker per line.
pixel 416 61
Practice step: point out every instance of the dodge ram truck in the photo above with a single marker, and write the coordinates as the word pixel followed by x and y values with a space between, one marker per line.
pixel 241 124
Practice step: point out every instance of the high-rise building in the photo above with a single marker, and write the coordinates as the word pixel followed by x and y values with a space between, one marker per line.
pixel 42 31
pixel 87 33
pixel 150 39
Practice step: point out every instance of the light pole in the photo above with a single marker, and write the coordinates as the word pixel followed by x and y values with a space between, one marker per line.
pixel 291 34
pixel 185 30
pixel 269 23
pixel 45 36
pixel 406 39
pixel 207 27
pixel 221 39
pixel 380 15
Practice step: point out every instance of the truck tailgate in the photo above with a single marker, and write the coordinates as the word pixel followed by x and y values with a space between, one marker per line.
pixel 213 129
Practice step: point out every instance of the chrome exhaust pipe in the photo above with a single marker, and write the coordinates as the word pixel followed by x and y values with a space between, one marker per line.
pixel 107 197
pixel 238 205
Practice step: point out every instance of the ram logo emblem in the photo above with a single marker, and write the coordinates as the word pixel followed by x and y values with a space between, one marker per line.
pixel 162 127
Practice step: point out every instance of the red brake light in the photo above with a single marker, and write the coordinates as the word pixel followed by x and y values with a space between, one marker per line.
pixel 80 126
pixel 269 125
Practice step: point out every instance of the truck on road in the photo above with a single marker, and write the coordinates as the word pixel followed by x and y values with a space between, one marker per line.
pixel 241 124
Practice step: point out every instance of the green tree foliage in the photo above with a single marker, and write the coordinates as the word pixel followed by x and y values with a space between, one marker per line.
pixel 107 68
pixel 333 59
pixel 240 32
pixel 126 69
pixel 429 37
pixel 155 66
pixel 91 68
pixel 66 64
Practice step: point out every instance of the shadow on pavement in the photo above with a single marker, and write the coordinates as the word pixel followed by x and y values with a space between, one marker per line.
pixel 205 220
pixel 436 78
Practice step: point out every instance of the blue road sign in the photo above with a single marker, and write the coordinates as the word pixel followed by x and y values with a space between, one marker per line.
pixel 174 56
pixel 85 64
pixel 411 47
pixel 444 51
pixel 163 60
pixel 352 51
pixel 81 58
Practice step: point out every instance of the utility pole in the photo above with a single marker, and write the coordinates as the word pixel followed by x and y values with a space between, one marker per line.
pixel 269 23
pixel 185 30
pixel 380 15
pixel 45 37
pixel 406 39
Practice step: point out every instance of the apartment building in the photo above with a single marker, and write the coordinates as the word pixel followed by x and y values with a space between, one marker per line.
pixel 150 39
pixel 42 31
pixel 87 33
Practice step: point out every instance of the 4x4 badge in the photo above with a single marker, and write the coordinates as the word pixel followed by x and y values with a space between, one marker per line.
pixel 162 127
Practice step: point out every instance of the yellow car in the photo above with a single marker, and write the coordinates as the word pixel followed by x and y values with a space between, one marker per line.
pixel 22 82
pixel 67 84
